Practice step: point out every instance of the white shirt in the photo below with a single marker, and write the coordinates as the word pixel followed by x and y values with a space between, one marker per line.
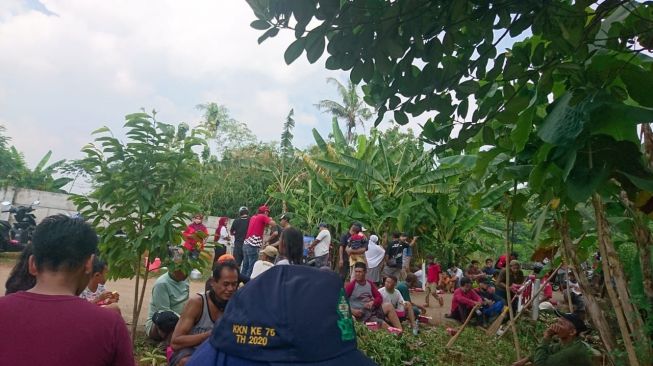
pixel 393 298
pixel 458 273
pixel 322 248
pixel 224 236
pixel 260 266
pixel 374 254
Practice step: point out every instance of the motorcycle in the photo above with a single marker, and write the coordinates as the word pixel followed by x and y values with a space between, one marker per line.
pixel 14 238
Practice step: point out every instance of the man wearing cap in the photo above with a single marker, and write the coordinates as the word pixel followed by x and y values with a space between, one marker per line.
pixel 320 246
pixel 254 238
pixel 302 331
pixel 238 231
pixel 265 262
pixel 202 311
pixel 569 351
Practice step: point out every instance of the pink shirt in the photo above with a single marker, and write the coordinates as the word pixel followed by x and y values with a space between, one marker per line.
pixel 61 330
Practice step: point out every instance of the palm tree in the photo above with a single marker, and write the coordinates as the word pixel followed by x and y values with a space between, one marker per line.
pixel 352 109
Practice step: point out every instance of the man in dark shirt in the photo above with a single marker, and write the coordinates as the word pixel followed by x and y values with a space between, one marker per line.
pixel 394 255
pixel 238 231
pixel 50 324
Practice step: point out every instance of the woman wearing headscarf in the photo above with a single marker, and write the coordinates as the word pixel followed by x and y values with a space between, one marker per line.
pixel 222 239
pixel 374 255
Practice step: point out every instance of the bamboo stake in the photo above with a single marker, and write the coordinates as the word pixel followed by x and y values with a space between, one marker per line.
pixel 530 301
pixel 453 339
pixel 507 269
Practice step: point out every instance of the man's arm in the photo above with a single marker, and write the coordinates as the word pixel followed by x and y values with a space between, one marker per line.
pixel 349 288
pixel 464 300
pixel 232 231
pixel 501 280
pixel 189 316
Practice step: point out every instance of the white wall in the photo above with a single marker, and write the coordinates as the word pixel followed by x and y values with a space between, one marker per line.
pixel 56 203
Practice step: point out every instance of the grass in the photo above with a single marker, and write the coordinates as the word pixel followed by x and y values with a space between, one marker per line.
pixel 473 347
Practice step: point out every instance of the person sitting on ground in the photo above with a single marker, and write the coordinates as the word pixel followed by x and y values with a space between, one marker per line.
pixel 291 247
pixel 516 280
pixel 464 300
pixel 404 288
pixel 50 324
pixel 403 308
pixel 394 255
pixel 283 332
pixel 195 235
pixel 474 273
pixel 456 274
pixel 96 292
pixel 356 247
pixel 446 284
pixel 202 311
pixel 374 256
pixel 432 280
pixel 576 296
pixel 266 260
pixel 169 295
pixel 20 279
pixel 492 303
pixel 570 350
pixel 489 269
pixel 320 246
pixel 367 303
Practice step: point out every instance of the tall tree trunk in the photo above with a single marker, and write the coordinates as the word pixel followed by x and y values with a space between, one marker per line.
pixel 512 325
pixel 595 312
pixel 642 232
pixel 135 308
pixel 618 294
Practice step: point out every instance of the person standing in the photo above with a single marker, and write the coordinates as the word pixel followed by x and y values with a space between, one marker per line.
pixel 50 324
pixel 374 255
pixel 394 255
pixel 254 238
pixel 222 239
pixel 432 280
pixel 320 246
pixel 407 254
pixel 238 231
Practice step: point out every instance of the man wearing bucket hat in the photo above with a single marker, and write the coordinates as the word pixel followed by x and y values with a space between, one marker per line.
pixel 570 351
pixel 290 329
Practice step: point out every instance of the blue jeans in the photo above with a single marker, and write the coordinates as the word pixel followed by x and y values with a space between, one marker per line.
pixel 250 256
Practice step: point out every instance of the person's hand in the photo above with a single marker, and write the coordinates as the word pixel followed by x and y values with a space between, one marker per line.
pixel 357 313
pixel 369 305
pixel 104 296
pixel 348 250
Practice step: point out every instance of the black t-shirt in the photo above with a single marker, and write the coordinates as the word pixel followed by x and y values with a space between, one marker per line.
pixel 396 250
pixel 278 229
pixel 344 239
pixel 239 229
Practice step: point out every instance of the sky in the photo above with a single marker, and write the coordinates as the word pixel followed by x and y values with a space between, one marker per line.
pixel 68 67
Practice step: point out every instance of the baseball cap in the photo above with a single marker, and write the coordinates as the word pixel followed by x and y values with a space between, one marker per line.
pixel 263 209
pixel 243 209
pixel 514 261
pixel 291 329
pixel 574 319
pixel 270 251
pixel 323 224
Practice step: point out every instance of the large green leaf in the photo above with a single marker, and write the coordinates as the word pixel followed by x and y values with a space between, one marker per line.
pixel 565 122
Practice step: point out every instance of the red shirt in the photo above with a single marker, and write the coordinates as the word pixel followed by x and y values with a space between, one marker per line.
pixel 467 298
pixel 501 263
pixel 257 225
pixel 433 273
pixel 61 330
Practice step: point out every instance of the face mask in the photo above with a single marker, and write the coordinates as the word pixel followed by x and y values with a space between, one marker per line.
pixel 220 304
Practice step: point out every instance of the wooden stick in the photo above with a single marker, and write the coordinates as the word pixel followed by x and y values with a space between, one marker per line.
pixel 530 301
pixel 453 339
pixel 492 330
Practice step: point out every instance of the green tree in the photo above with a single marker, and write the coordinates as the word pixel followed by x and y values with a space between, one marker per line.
pixel 227 132
pixel 559 109
pixel 287 149
pixel 352 110
pixel 138 192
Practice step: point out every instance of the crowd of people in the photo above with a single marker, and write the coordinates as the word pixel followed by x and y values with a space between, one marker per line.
pixel 59 286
